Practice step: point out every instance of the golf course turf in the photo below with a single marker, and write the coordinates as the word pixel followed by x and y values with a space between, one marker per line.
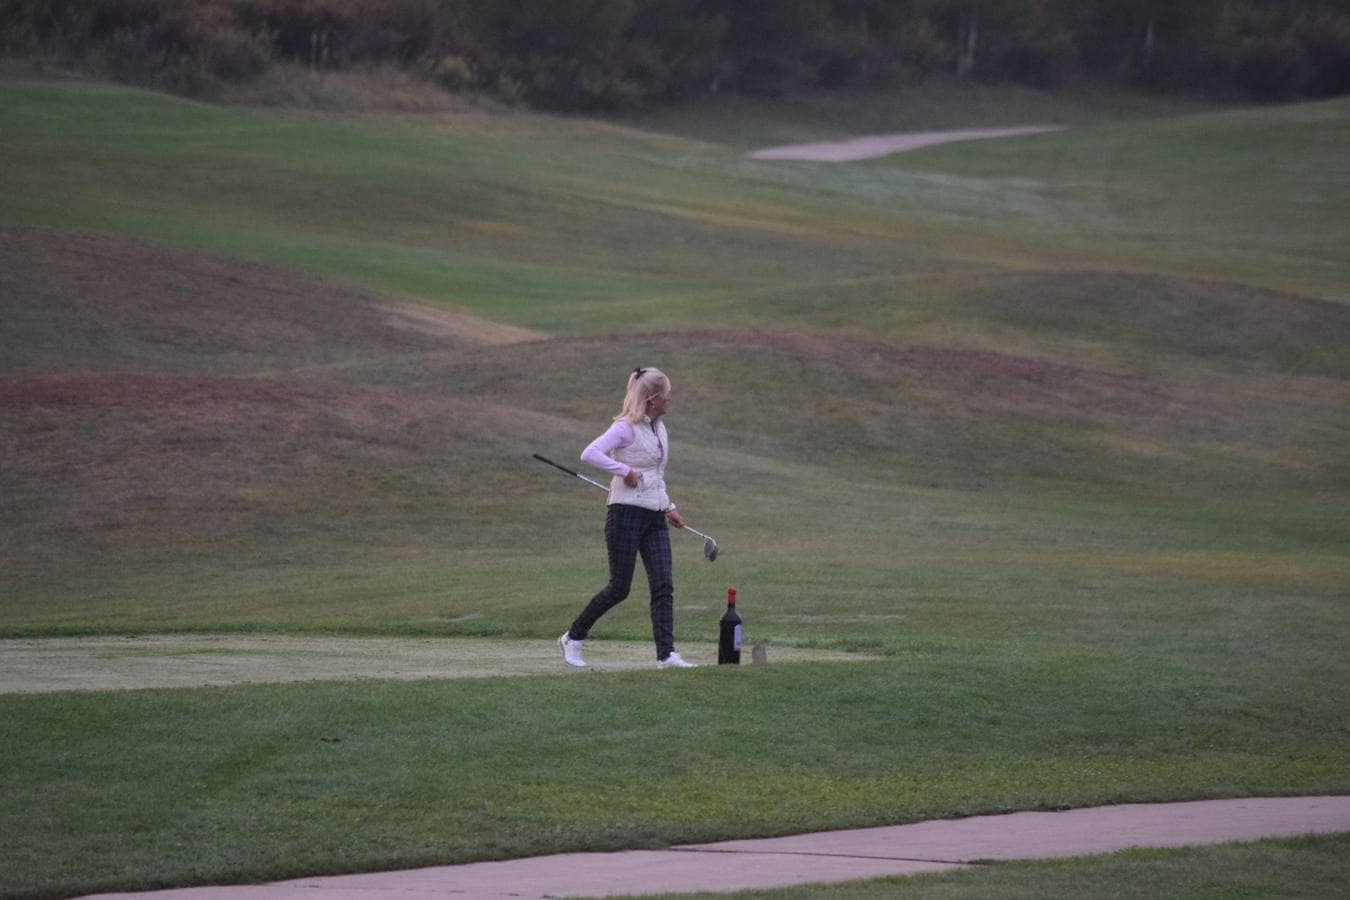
pixel 1051 430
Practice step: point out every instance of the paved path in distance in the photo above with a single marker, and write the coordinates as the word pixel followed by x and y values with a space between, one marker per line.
pixel 876 145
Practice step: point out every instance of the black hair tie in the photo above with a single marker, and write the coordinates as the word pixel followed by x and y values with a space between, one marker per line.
pixel 639 372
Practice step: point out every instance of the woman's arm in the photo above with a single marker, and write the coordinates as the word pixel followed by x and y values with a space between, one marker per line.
pixel 597 452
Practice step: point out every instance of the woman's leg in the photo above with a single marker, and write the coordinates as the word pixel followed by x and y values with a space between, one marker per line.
pixel 655 549
pixel 623 533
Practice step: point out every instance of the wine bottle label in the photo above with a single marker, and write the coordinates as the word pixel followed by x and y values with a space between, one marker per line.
pixel 736 641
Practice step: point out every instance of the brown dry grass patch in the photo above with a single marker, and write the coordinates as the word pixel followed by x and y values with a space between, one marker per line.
pixel 89 301
pixel 156 397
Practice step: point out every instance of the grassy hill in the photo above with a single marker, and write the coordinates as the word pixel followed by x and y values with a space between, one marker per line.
pixel 1054 425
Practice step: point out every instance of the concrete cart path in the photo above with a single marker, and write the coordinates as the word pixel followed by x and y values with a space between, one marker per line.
pixel 872 146
pixel 827 856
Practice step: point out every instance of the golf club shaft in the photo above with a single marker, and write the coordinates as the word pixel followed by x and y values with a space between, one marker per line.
pixel 574 474
pixel 697 532
pixel 545 459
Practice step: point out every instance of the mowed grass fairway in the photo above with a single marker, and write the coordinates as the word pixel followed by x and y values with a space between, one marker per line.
pixel 1053 429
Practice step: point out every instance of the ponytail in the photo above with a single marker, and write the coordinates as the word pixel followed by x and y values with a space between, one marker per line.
pixel 643 384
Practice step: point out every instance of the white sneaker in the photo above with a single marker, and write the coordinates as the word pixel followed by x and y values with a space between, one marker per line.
pixel 675 661
pixel 571 651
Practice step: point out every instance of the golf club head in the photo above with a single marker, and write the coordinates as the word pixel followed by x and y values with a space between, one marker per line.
pixel 709 549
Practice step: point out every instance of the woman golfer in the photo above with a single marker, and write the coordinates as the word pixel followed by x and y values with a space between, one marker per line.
pixel 635 450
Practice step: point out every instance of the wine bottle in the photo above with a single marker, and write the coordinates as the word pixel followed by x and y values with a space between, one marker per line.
pixel 729 633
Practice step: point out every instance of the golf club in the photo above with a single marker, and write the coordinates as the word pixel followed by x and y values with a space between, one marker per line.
pixel 709 544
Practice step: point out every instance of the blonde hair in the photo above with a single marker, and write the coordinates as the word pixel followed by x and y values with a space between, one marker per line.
pixel 643 385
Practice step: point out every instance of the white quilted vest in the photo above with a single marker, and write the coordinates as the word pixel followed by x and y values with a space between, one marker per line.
pixel 648 455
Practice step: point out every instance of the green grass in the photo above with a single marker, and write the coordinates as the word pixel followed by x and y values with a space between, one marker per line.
pixel 173 786
pixel 501 215
pixel 1165 190
pixel 1055 427
pixel 1300 867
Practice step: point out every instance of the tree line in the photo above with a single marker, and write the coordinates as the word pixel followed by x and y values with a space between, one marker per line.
pixel 610 54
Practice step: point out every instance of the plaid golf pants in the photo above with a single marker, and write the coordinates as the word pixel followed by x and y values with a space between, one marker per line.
pixel 630 531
